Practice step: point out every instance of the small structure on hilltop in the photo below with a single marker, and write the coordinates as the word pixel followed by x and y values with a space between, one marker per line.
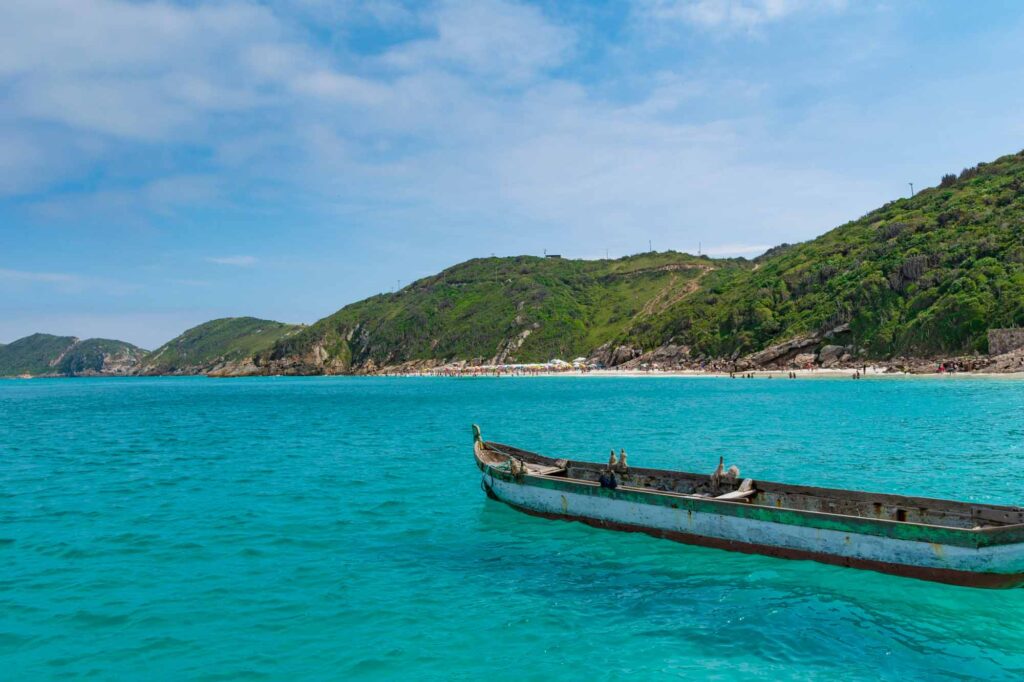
pixel 1002 341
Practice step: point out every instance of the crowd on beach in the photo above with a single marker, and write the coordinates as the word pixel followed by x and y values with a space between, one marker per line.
pixel 857 374
pixel 578 368
pixel 505 370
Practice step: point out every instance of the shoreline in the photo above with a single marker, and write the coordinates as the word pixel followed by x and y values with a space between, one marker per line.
pixel 873 372
pixel 690 374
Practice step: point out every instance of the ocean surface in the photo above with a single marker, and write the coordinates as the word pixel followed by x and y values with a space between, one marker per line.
pixel 334 528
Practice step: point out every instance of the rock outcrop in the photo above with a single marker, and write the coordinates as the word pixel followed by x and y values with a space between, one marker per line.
pixel 608 355
pixel 830 355
pixel 781 352
pixel 669 356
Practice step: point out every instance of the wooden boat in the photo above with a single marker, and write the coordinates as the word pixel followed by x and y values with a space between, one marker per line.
pixel 931 539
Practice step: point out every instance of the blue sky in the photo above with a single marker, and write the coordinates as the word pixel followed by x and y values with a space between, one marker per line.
pixel 165 163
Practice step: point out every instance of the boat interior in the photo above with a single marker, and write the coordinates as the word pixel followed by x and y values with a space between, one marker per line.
pixel 738 490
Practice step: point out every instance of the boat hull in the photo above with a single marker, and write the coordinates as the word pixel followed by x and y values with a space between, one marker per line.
pixel 997 566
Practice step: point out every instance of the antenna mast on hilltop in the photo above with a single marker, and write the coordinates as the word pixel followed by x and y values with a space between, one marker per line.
pixel 911 188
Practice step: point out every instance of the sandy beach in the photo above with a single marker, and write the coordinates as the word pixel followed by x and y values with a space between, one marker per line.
pixel 873 372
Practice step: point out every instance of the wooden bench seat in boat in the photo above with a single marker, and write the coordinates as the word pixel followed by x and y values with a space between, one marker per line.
pixel 736 495
pixel 543 470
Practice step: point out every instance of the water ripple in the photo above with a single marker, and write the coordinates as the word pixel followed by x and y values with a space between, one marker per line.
pixel 334 527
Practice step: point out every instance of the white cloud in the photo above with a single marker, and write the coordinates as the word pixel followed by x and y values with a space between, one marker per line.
pixel 470 125
pixel 26 162
pixel 128 209
pixel 143 71
pixel 733 15
pixel 237 261
pixel 45 277
pixel 176 190
pixel 339 86
pixel 64 282
pixel 504 40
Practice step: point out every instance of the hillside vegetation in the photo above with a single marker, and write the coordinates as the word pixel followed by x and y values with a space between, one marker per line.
pixel 48 355
pixel 205 347
pixel 517 309
pixel 33 354
pixel 920 276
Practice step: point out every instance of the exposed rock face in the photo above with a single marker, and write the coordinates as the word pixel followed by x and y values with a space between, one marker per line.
pixel 830 355
pixel 75 342
pixel 1002 341
pixel 239 368
pixel 511 345
pixel 123 363
pixel 668 356
pixel 610 356
pixel 411 367
pixel 836 331
pixel 779 353
pixel 1007 362
pixel 801 360
pixel 316 360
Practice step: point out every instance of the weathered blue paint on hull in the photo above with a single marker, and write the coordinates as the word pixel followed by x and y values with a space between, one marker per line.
pixel 719 525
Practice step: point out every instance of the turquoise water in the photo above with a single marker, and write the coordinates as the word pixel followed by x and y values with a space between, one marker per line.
pixel 323 528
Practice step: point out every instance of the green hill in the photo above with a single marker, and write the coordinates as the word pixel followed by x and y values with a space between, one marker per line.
pixel 922 276
pixel 204 348
pixel 517 309
pixel 35 354
pixel 48 355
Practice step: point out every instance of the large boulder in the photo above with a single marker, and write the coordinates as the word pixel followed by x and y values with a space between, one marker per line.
pixel 623 354
pixel 669 355
pixel 781 351
pixel 613 356
pixel 830 355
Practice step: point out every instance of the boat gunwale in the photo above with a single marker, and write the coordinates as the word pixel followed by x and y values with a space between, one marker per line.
pixel 789 487
pixel 993 535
